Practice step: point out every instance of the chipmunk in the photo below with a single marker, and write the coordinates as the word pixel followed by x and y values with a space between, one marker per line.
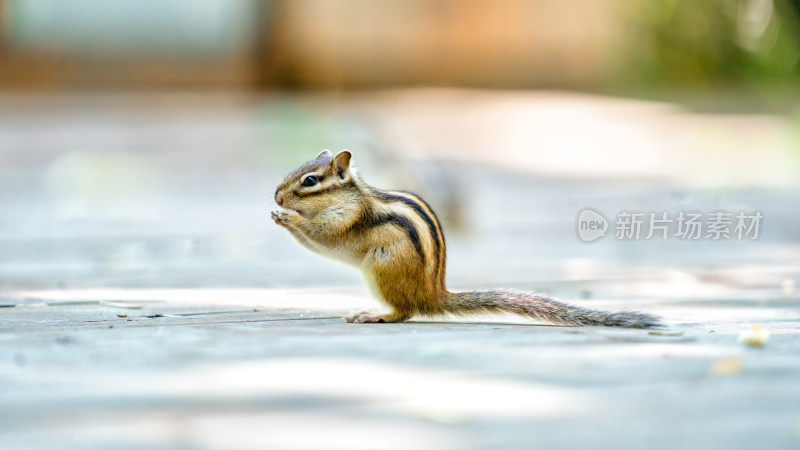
pixel 395 239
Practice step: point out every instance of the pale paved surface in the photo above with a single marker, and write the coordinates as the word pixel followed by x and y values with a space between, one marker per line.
pixel 254 376
pixel 239 341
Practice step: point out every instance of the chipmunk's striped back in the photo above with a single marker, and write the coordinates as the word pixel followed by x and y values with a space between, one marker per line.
pixel 427 227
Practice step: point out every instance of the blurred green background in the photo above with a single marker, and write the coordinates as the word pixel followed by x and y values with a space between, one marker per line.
pixel 140 141
pixel 746 48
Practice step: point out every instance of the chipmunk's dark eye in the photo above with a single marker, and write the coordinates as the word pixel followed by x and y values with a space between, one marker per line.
pixel 310 180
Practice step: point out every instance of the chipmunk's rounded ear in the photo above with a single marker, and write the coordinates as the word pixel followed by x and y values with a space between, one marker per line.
pixel 341 163
pixel 325 153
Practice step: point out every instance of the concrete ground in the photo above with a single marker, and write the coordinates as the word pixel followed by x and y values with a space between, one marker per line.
pixel 125 373
pixel 146 301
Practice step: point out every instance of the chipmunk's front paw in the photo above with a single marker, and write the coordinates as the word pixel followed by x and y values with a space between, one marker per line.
pixel 365 317
pixel 286 218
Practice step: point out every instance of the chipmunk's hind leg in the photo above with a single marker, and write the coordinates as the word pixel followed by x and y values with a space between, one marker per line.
pixel 380 270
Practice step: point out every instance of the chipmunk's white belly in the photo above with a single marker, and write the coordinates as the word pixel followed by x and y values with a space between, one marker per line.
pixel 372 283
pixel 339 254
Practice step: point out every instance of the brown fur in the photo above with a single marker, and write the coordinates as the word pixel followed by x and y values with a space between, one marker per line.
pixel 397 242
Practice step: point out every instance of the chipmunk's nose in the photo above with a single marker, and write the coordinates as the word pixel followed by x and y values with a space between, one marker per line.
pixel 278 198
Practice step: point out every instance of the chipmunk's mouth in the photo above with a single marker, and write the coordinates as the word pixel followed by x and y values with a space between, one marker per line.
pixel 298 211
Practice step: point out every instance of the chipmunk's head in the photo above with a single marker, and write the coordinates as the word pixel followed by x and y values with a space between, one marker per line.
pixel 317 185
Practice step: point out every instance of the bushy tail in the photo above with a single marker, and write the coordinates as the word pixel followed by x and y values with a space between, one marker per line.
pixel 542 307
